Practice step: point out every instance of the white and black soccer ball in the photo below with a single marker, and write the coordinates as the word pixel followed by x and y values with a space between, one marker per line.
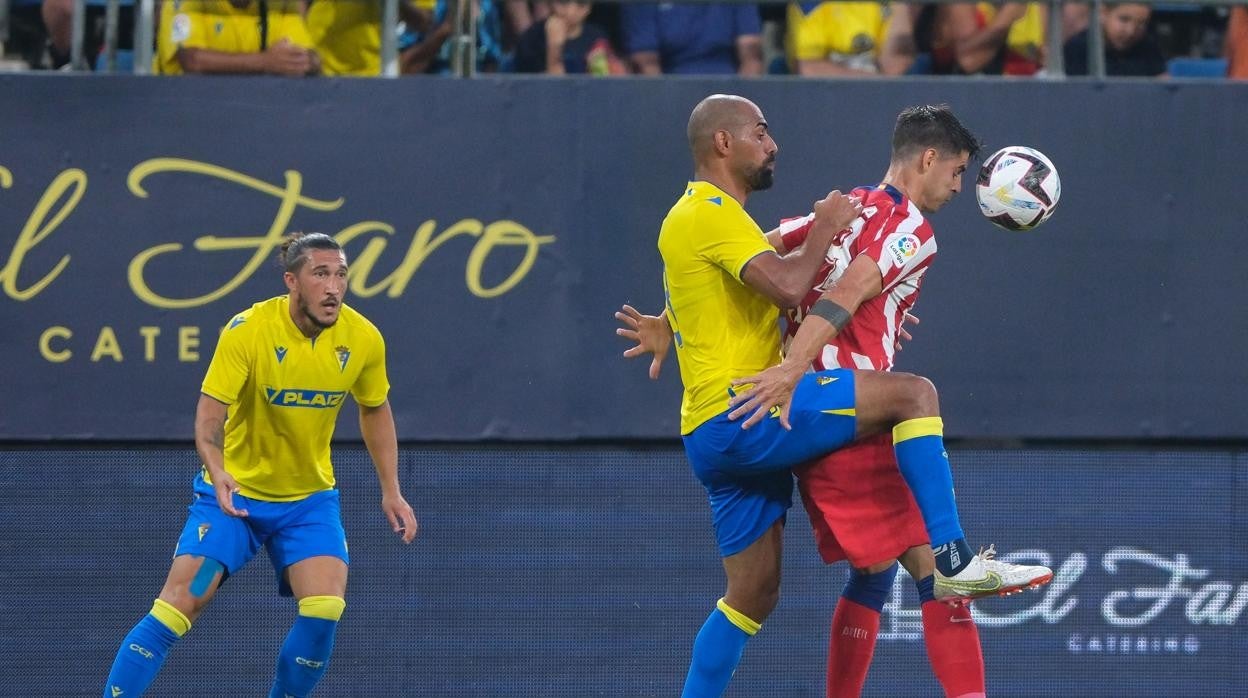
pixel 1018 188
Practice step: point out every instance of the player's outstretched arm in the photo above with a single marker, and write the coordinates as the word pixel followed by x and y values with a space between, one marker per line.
pixel 774 387
pixel 377 428
pixel 652 333
pixel 786 280
pixel 210 417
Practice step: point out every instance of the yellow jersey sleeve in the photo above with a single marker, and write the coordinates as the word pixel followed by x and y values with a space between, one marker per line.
pixel 231 362
pixel 182 24
pixel 736 241
pixel 373 385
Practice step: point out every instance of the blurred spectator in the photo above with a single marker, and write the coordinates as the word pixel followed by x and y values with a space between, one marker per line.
pixel 965 39
pixel 1237 43
pixel 432 49
pixel 58 17
pixel 1074 18
pixel 347 33
pixel 693 39
pixel 231 36
pixel 521 14
pixel 28 37
pixel 564 43
pixel 998 40
pixel 1129 49
pixel 918 40
pixel 835 38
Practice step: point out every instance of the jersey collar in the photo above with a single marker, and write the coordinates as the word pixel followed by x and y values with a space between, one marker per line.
pixel 892 192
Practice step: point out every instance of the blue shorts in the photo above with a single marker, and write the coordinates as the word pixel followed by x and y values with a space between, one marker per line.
pixel 746 471
pixel 290 531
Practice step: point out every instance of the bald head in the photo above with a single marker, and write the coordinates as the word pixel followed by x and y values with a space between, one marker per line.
pixel 719 113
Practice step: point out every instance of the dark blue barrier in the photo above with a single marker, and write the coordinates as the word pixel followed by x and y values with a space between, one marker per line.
pixel 586 571
pixel 494 225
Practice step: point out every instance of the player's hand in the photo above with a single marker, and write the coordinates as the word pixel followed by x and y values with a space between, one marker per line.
pixel 400 515
pixel 837 210
pixel 902 334
pixel 770 393
pixel 651 332
pixel 226 487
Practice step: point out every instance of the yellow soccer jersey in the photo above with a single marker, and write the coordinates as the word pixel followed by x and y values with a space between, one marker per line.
pixel 347 35
pixel 723 329
pixel 850 33
pixel 285 390
pixel 220 26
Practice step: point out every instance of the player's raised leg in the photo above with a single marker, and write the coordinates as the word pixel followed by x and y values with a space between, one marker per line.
pixel 190 585
pixel 909 404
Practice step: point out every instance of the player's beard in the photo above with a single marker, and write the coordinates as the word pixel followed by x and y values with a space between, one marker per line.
pixel 307 312
pixel 762 177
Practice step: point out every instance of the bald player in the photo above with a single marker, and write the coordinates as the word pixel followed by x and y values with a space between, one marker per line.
pixel 724 286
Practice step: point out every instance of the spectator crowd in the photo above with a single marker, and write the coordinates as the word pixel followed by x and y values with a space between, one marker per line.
pixel 841 39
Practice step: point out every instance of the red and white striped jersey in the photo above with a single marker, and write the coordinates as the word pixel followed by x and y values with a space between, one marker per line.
pixel 895 235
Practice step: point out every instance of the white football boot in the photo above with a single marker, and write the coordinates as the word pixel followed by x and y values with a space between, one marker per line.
pixel 987 576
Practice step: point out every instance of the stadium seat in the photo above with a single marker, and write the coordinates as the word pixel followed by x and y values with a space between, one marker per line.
pixel 1197 67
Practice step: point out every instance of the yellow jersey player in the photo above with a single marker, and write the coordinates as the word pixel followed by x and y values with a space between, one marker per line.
pixel 233 37
pixel 747 415
pixel 266 414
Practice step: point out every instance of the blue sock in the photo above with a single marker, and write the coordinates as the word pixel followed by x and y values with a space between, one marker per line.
pixel 305 654
pixel 927 589
pixel 717 651
pixel 952 556
pixel 920 447
pixel 143 651
pixel 870 590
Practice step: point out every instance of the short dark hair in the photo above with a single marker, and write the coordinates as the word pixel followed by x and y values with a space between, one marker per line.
pixel 294 251
pixel 931 126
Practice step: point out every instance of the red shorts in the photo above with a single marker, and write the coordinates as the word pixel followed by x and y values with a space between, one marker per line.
pixel 859 505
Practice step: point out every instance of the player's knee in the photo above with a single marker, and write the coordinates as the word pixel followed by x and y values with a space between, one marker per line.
pixel 323 607
pixel 918 397
pixel 765 595
pixel 870 589
pixel 180 598
pixel 756 598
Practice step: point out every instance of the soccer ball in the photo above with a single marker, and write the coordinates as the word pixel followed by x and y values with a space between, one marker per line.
pixel 1018 188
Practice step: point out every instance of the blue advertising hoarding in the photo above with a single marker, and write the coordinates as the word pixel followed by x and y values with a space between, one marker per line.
pixel 579 571
pixel 493 226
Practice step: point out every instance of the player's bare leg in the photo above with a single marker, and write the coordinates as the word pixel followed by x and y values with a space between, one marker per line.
pixel 753 591
pixel 191 584
pixel 909 405
pixel 754 575
pixel 189 587
pixel 320 585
